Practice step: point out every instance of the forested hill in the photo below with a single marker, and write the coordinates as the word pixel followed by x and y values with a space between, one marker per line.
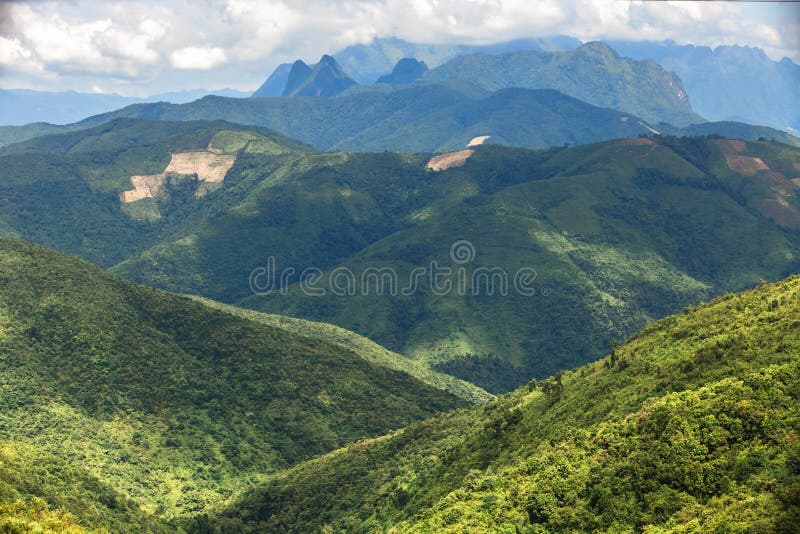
pixel 690 426
pixel 156 403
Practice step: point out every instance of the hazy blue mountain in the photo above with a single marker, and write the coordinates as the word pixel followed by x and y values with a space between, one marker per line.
pixel 326 78
pixel 594 72
pixel 367 62
pixel 24 106
pixel 276 83
pixel 407 70
pixel 182 97
pixel 729 82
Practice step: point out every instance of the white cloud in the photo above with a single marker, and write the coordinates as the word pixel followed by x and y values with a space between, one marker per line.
pixel 141 46
pixel 197 58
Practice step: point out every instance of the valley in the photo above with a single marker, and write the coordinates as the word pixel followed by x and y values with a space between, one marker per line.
pixel 402 277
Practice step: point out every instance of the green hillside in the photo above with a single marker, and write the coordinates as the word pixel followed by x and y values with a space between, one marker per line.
pixel 134 394
pixel 62 191
pixel 617 234
pixel 690 426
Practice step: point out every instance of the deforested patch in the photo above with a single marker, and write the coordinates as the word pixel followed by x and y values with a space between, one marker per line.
pixel 746 165
pixel 449 160
pixel 208 166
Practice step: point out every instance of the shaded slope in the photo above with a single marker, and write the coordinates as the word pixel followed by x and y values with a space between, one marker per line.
pixel 690 425
pixel 172 403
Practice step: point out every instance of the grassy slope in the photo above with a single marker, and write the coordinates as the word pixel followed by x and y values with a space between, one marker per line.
pixel 691 425
pixel 171 402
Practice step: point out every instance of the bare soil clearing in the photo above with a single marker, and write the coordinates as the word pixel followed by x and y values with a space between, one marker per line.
pixel 449 160
pixel 208 166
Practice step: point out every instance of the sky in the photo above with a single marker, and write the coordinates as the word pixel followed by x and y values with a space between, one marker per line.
pixel 138 48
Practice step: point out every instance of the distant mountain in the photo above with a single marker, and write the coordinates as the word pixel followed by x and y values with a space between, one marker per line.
pixel 424 117
pixel 407 70
pixel 729 83
pixel 23 106
pixel 367 62
pixel 326 78
pixel 276 83
pixel 690 426
pixel 594 72
pixel 427 117
pixel 174 403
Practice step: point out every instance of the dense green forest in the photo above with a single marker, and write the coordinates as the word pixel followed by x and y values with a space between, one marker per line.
pixel 126 393
pixel 617 233
pixel 689 426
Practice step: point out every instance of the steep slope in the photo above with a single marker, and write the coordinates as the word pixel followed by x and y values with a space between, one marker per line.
pixel 173 403
pixel 275 83
pixel 41 492
pixel 729 83
pixel 692 425
pixel 614 235
pixel 593 73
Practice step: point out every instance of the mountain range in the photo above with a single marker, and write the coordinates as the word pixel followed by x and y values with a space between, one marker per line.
pixel 733 83
pixel 521 287
pixel 724 83
pixel 661 223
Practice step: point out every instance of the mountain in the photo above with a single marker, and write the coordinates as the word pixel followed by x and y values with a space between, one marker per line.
pixel 367 62
pixel 407 70
pixel 729 83
pixel 275 83
pixel 593 72
pixel 423 117
pixel 23 106
pixel 616 233
pixel 173 403
pixel 691 425
pixel 326 78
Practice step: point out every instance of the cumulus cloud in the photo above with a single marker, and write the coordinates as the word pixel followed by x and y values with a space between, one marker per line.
pixel 197 58
pixel 141 46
